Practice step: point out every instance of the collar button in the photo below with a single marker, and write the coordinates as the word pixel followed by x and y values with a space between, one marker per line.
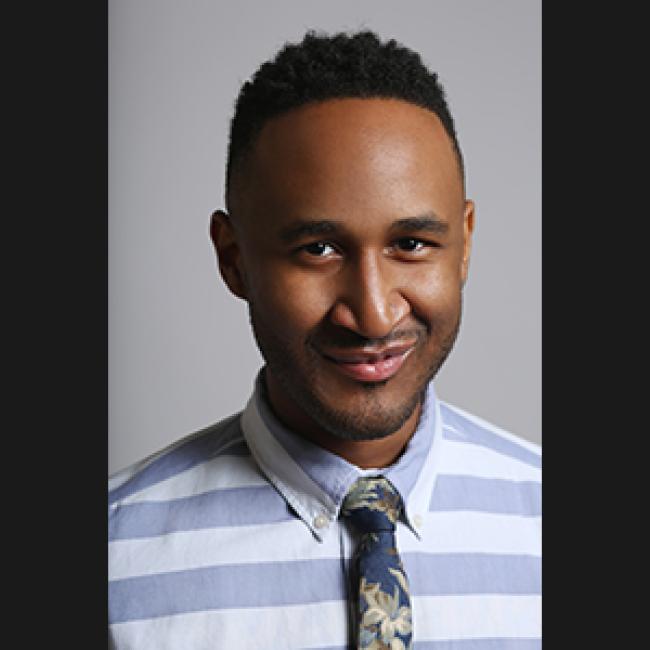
pixel 321 521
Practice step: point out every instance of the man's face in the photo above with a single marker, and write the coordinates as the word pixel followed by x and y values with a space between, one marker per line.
pixel 350 244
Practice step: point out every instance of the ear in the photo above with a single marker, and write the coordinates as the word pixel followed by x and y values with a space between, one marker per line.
pixel 228 252
pixel 468 229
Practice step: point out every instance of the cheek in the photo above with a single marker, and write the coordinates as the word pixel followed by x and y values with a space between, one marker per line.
pixel 288 303
pixel 435 295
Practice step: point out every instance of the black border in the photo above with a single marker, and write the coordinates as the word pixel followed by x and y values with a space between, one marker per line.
pixel 56 425
pixel 593 372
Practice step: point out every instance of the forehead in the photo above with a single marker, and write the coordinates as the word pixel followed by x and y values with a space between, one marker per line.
pixel 349 155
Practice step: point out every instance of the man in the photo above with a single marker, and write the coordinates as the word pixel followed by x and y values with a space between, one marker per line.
pixel 346 506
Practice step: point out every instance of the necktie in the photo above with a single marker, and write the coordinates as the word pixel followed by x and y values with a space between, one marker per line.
pixel 383 606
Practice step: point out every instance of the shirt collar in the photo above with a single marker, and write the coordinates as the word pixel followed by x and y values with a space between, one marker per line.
pixel 314 481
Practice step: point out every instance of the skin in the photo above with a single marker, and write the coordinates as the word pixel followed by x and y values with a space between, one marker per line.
pixel 349 232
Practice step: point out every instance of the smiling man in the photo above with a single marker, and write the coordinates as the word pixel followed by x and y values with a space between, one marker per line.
pixel 346 506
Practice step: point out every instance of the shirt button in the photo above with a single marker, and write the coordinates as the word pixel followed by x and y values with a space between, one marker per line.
pixel 321 521
pixel 417 520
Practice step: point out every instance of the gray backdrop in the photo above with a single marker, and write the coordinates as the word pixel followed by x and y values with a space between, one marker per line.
pixel 181 354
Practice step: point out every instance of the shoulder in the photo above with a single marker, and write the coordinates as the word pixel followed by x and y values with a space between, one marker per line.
pixel 160 474
pixel 177 515
pixel 461 426
pixel 486 467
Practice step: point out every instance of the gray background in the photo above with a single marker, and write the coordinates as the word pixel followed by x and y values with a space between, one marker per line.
pixel 181 354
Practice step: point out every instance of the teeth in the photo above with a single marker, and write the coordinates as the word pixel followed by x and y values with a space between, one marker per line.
pixel 370 359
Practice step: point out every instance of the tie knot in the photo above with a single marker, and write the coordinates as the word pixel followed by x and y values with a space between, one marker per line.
pixel 372 505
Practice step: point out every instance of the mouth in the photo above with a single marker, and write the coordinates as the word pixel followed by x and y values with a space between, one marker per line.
pixel 368 365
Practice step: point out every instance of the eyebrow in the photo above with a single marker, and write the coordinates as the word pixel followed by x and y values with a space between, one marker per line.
pixel 428 222
pixel 303 228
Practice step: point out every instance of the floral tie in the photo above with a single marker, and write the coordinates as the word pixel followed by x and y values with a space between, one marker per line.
pixel 384 608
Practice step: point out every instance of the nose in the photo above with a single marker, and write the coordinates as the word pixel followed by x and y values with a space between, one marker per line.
pixel 370 300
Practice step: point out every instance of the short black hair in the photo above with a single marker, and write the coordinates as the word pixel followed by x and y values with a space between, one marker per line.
pixel 323 67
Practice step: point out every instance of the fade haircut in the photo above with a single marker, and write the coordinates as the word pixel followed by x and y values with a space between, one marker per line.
pixel 323 67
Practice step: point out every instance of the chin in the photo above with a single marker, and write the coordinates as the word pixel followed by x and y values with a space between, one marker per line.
pixel 375 423
pixel 365 411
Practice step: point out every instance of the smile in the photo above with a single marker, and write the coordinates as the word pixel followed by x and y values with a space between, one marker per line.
pixel 367 366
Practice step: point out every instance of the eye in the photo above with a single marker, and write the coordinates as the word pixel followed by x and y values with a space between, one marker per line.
pixel 410 244
pixel 319 249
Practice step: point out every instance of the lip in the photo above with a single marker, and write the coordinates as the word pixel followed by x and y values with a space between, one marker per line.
pixel 370 365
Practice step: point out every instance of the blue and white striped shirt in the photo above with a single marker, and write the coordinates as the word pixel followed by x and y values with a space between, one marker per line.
pixel 230 538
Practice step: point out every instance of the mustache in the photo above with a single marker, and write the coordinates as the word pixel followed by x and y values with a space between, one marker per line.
pixel 347 339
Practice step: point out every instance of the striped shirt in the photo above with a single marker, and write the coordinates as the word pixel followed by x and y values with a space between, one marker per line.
pixel 230 538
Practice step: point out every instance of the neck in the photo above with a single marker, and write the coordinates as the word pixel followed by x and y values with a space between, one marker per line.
pixel 365 454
